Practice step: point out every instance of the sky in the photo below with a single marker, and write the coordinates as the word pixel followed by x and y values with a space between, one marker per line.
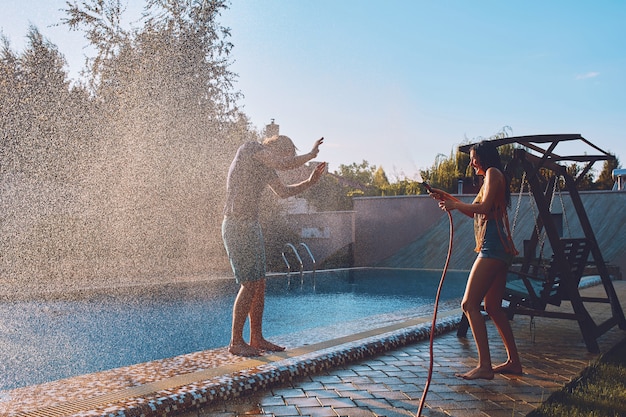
pixel 398 83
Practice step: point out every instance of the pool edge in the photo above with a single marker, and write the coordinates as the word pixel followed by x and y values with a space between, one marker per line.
pixel 196 390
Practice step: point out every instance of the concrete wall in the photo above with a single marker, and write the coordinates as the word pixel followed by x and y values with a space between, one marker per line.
pixel 606 211
pixel 323 232
pixel 411 231
pixel 384 225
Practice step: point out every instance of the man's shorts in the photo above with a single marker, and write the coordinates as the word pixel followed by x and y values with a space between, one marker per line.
pixel 243 240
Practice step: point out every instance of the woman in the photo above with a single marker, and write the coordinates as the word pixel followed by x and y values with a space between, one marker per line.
pixel 251 171
pixel 495 249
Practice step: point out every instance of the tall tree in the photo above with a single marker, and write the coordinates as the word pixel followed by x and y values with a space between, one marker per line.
pixel 39 110
pixel 379 179
pixel 584 183
pixel 172 125
pixel 605 178
pixel 361 173
pixel 444 173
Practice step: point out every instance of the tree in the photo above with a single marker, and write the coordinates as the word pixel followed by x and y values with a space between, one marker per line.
pixel 11 102
pixel 357 179
pixel 329 194
pixel 404 187
pixel 168 126
pixel 584 183
pixel 444 173
pixel 605 178
pixel 41 134
pixel 448 170
pixel 379 179
pixel 362 173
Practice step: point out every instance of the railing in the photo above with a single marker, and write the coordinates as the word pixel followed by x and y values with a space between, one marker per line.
pixel 299 259
pixel 308 251
pixel 295 252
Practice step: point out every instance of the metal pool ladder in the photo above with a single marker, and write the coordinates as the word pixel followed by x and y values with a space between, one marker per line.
pixel 295 252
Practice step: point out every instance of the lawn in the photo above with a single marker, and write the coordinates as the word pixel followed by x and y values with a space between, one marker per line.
pixel 599 391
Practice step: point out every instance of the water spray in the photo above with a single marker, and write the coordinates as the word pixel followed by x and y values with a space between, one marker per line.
pixel 424 183
pixel 434 321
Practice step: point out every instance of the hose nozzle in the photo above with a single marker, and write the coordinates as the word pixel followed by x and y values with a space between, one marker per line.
pixel 424 183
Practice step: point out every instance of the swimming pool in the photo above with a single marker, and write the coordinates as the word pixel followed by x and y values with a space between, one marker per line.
pixel 47 340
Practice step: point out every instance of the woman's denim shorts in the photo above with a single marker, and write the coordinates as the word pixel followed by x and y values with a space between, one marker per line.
pixel 492 244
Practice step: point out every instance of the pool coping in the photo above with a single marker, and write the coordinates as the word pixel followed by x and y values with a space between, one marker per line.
pixel 203 388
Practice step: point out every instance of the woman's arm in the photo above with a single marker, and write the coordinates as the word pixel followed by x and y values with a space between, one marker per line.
pixel 442 196
pixel 494 180
pixel 280 162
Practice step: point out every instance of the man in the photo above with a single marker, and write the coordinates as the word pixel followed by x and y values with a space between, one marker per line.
pixel 253 168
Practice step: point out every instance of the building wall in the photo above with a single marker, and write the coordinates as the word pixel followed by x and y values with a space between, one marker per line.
pixel 383 225
pixel 323 232
pixel 411 231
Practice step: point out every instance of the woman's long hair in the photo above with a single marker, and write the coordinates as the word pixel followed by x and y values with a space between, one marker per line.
pixel 490 158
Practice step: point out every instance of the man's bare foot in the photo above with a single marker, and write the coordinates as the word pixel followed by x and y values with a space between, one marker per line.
pixel 478 373
pixel 243 349
pixel 267 345
pixel 508 367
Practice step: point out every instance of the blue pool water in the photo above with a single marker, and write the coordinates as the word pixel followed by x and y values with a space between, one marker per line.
pixel 46 340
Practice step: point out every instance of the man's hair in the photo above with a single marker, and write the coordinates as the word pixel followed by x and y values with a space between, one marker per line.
pixel 280 143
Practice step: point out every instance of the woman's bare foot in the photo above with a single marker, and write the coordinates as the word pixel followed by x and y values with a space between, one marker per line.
pixel 243 349
pixel 478 373
pixel 508 367
pixel 267 345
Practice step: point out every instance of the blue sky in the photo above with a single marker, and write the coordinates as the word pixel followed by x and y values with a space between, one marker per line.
pixel 398 82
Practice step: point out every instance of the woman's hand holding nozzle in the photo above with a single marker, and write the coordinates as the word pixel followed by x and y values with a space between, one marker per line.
pixel 446 205
pixel 434 193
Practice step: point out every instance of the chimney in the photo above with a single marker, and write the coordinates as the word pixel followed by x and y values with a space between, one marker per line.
pixel 271 129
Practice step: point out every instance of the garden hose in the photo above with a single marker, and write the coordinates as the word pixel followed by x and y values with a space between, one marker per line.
pixel 432 326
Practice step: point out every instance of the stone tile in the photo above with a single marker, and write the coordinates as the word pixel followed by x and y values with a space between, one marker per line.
pixel 318 412
pixel 392 412
pixel 355 395
pixel 390 395
pixel 323 393
pixel 386 380
pixel 327 379
pixel 288 392
pixel 341 387
pixel 303 402
pixel 434 412
pixel 285 410
pixel 372 387
pixel 417 395
pixel 469 413
pixel 505 413
pixel 345 373
pixel 310 385
pixel 356 380
pixel 372 403
pixel 337 402
pixel 354 412
pixel 272 400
